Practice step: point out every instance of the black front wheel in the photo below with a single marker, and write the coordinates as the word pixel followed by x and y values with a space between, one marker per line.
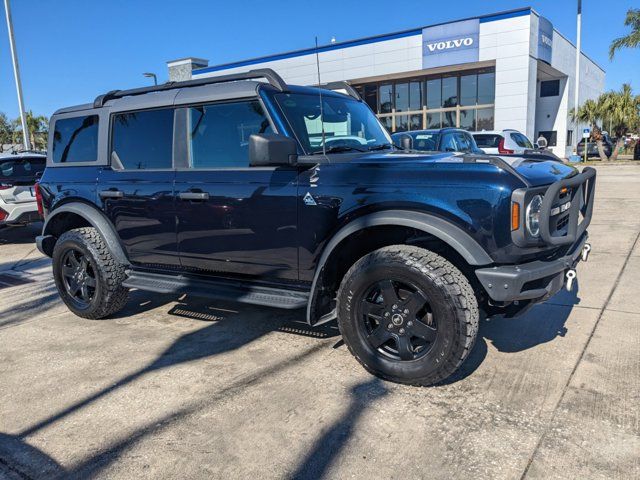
pixel 88 278
pixel 408 315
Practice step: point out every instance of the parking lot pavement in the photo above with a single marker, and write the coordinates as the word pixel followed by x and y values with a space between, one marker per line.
pixel 189 388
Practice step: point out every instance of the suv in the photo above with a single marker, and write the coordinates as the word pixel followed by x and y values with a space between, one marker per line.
pixel 503 142
pixel 437 140
pixel 592 147
pixel 18 175
pixel 226 187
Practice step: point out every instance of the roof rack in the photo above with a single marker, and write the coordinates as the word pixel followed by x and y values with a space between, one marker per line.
pixel 272 77
pixel 342 85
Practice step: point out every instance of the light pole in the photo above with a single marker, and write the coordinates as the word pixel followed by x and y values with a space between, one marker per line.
pixel 576 89
pixel 16 74
pixel 151 75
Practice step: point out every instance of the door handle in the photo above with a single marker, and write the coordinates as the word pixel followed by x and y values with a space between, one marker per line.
pixel 193 196
pixel 111 194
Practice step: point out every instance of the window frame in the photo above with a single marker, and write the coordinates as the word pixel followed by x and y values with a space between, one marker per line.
pixel 181 150
pixel 103 131
pixel 135 110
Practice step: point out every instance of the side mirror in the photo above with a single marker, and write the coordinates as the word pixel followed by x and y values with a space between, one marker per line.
pixel 406 142
pixel 272 149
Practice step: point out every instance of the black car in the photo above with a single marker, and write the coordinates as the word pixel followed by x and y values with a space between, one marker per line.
pixel 453 140
pixel 592 147
pixel 292 197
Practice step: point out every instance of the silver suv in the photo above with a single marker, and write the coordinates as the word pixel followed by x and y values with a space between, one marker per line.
pixel 18 175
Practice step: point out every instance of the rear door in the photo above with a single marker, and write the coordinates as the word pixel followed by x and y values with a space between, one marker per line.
pixel 234 219
pixel 136 189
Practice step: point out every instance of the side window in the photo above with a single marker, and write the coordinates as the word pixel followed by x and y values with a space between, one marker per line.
pixel 218 134
pixel 75 139
pixel 448 143
pixel 463 142
pixel 142 140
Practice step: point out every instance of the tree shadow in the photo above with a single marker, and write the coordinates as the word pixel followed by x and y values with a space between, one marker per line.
pixel 329 445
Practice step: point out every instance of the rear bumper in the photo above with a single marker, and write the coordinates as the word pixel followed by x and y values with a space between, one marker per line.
pixel 24 212
pixel 535 281
pixel 45 243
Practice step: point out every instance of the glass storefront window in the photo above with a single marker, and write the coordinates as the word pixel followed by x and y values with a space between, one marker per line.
pixel 448 119
pixel 386 98
pixel 402 97
pixel 434 93
pixel 484 119
pixel 415 96
pixel 468 119
pixel 468 89
pixel 386 122
pixel 415 122
pixel 486 88
pixel 402 123
pixel 371 96
pixel 449 92
pixel 433 120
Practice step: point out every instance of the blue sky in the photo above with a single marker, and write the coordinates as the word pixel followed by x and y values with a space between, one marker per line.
pixel 72 50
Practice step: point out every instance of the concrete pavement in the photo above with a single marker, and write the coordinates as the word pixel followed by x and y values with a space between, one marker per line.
pixel 191 388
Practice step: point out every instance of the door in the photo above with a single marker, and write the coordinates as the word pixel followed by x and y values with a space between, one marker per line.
pixel 136 190
pixel 234 219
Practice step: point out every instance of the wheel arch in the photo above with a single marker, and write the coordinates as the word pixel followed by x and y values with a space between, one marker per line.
pixel 79 214
pixel 460 242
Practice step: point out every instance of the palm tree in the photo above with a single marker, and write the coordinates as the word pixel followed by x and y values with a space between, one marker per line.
pixel 6 131
pixel 628 41
pixel 590 112
pixel 622 110
pixel 38 126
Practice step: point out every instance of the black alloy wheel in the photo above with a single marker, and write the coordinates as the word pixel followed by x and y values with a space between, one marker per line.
pixel 78 277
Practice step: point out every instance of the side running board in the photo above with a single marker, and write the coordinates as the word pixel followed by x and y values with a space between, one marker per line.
pixel 217 289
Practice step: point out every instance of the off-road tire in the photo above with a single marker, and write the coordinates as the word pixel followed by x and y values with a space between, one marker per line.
pixel 109 296
pixel 450 295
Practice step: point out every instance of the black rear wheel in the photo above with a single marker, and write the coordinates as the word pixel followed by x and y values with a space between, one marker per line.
pixel 88 278
pixel 407 314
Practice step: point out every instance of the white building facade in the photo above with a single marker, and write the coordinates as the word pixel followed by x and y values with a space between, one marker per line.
pixel 498 71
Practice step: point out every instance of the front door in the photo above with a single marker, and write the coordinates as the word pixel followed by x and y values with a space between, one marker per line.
pixel 234 219
pixel 136 190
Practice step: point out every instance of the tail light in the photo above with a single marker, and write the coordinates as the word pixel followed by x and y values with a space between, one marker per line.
pixel 3 214
pixel 39 199
pixel 502 150
pixel 5 186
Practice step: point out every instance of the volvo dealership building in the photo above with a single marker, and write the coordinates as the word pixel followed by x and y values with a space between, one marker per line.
pixel 509 70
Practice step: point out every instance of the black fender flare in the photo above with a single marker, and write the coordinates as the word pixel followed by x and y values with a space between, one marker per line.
pixel 446 231
pixel 96 219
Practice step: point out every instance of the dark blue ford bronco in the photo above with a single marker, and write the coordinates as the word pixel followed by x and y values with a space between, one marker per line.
pixel 245 188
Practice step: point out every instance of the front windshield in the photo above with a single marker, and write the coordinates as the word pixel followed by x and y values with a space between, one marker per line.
pixel 349 125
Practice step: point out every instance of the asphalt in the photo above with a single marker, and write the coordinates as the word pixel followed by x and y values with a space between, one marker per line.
pixel 187 388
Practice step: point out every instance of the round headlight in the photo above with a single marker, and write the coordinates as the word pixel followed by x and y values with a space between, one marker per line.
pixel 533 216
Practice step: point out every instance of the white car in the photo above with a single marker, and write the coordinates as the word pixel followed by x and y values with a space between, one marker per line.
pixel 502 142
pixel 18 175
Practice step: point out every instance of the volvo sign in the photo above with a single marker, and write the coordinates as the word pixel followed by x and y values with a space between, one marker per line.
pixel 545 40
pixel 450 44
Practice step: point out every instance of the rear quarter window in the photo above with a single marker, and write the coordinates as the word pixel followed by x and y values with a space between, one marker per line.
pixel 75 140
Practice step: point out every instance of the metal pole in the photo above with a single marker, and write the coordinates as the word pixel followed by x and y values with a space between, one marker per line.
pixel 16 74
pixel 576 87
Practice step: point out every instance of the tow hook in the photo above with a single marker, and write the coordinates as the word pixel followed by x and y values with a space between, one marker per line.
pixel 585 251
pixel 571 275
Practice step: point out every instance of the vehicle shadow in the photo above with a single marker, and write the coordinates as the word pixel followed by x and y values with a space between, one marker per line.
pixel 542 324
pixel 20 235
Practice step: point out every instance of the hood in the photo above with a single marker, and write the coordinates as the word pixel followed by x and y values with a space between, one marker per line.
pixel 534 172
pixel 538 173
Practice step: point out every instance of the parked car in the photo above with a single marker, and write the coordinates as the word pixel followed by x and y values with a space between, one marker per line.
pixel 437 140
pixel 592 147
pixel 224 191
pixel 502 142
pixel 18 175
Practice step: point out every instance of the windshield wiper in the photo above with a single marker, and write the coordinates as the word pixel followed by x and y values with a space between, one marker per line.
pixel 339 149
pixel 383 146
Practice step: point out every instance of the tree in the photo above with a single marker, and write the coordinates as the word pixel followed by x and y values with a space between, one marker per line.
pixel 6 131
pixel 38 126
pixel 632 40
pixel 618 109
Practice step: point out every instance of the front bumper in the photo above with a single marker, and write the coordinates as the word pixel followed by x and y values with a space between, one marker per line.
pixel 535 281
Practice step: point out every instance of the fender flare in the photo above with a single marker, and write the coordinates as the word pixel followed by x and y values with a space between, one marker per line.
pixel 97 220
pixel 449 233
